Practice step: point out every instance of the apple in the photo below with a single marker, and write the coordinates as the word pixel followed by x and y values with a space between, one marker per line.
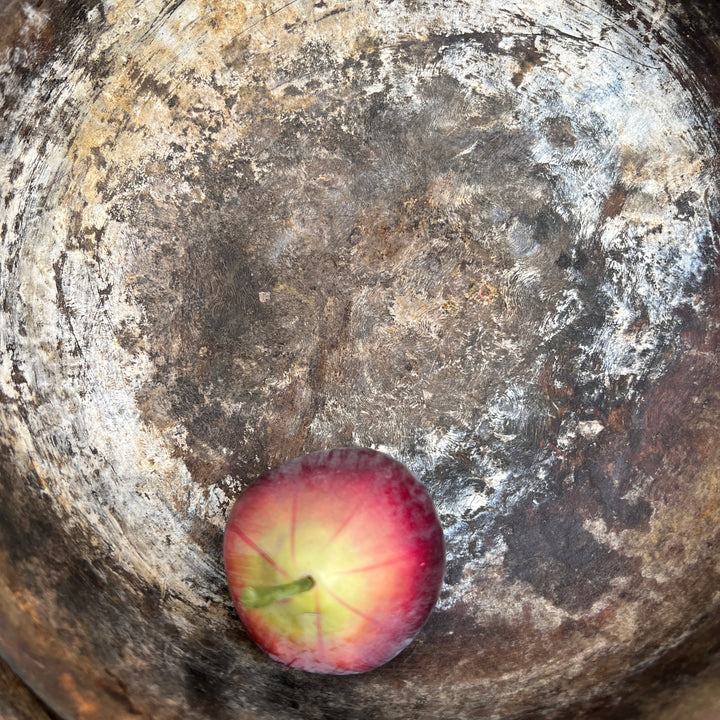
pixel 334 560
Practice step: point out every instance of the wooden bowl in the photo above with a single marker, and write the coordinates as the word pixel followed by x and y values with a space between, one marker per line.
pixel 481 236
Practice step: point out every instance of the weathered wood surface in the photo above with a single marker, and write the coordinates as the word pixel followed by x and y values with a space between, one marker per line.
pixel 480 236
pixel 17 702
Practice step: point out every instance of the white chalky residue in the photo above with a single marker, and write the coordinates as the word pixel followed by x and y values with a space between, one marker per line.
pixel 98 396
pixel 590 428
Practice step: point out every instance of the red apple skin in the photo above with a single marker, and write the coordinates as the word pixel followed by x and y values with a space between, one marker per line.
pixel 366 531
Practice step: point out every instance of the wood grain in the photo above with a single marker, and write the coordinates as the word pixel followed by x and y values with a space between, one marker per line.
pixel 482 237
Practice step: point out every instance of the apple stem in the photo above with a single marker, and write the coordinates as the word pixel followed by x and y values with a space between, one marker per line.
pixel 258 597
